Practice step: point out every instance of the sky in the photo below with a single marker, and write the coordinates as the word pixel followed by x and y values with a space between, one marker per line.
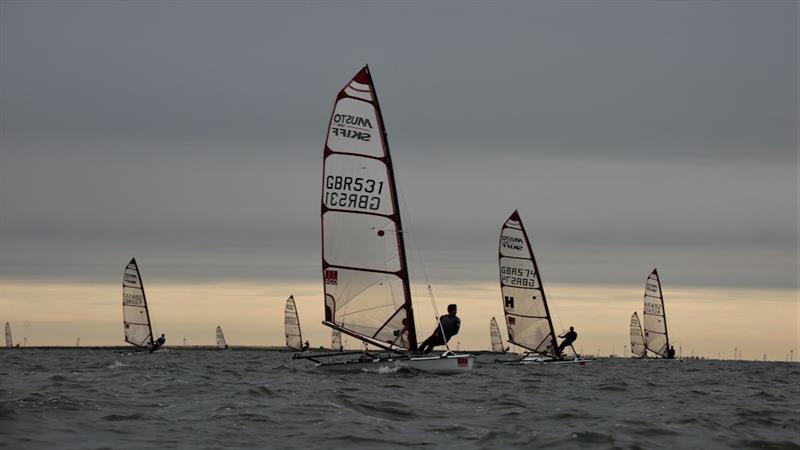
pixel 190 134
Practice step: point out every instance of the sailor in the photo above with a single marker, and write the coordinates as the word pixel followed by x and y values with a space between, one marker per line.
pixel 158 343
pixel 671 352
pixel 305 346
pixel 569 337
pixel 449 323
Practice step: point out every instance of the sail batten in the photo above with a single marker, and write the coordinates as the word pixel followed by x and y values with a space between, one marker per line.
pixel 135 314
pixel 365 273
pixel 656 339
pixel 637 337
pixel 524 302
pixel 294 338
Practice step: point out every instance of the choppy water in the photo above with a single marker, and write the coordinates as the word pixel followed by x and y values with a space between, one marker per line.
pixel 86 399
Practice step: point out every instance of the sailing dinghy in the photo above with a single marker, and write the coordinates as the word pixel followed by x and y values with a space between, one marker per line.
pixel 494 335
pixel 524 301
pixel 656 339
pixel 9 340
pixel 291 322
pixel 221 344
pixel 365 273
pixel 637 338
pixel 135 315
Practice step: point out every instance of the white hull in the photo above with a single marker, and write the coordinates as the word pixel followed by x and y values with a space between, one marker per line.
pixel 540 360
pixel 450 364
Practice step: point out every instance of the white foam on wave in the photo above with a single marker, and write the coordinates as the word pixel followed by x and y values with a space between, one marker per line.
pixel 117 364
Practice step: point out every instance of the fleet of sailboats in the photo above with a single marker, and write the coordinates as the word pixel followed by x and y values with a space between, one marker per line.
pixel 367 289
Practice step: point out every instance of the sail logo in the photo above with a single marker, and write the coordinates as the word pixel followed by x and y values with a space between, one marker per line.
pixel 353 192
pixel 331 277
pixel 509 302
pixel 512 243
pixel 463 362
pixel 352 127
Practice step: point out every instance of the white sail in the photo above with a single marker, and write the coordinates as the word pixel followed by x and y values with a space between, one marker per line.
pixel 494 334
pixel 637 339
pixel 524 302
pixel 336 340
pixel 135 315
pixel 655 320
pixel 9 340
pixel 365 275
pixel 294 339
pixel 221 338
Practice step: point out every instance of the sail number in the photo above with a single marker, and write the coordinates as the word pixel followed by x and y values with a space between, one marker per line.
pixel 517 276
pixel 652 308
pixel 353 192
pixel 132 299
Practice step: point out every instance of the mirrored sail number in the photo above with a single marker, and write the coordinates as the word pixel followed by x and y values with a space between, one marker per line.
pixel 353 192
pixel 132 299
pixel 518 276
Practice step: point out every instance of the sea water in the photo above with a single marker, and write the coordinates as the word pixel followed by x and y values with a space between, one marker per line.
pixel 244 398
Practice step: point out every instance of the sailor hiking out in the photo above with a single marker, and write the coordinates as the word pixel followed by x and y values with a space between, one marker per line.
pixel 449 323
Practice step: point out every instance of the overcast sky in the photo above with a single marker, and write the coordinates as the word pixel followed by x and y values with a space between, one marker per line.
pixel 190 135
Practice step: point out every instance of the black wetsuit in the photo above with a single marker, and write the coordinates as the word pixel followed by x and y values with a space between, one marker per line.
pixel 450 325
pixel 157 344
pixel 569 338
pixel 670 353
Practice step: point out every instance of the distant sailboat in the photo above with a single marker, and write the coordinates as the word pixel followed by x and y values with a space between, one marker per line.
pixel 336 340
pixel 494 335
pixel 291 321
pixel 221 338
pixel 656 339
pixel 135 315
pixel 524 301
pixel 364 267
pixel 637 339
pixel 9 340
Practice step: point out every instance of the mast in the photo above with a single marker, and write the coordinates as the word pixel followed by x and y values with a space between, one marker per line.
pixel 520 277
pixel 357 210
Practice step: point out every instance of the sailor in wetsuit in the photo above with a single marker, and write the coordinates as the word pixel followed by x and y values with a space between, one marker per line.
pixel 158 343
pixel 671 352
pixel 450 323
pixel 569 337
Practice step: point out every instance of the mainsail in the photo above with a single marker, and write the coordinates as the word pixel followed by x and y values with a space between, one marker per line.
pixel 135 315
pixel 336 340
pixel 524 302
pixel 494 334
pixel 294 339
pixel 9 341
pixel 221 338
pixel 655 320
pixel 637 339
pixel 365 274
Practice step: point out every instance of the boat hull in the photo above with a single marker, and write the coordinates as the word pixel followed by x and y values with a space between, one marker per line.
pixel 449 364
